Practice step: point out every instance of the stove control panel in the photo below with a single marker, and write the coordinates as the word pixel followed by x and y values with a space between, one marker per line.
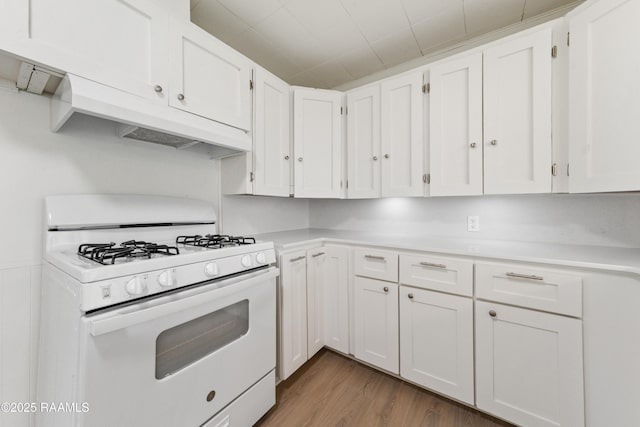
pixel 121 289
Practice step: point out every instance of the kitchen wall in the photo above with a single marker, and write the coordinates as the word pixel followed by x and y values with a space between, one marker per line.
pixel 249 215
pixel 86 157
pixel 590 219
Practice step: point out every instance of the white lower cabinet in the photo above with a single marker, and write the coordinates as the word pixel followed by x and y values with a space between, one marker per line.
pixel 436 341
pixel 529 366
pixel 316 273
pixel 376 323
pixel 335 287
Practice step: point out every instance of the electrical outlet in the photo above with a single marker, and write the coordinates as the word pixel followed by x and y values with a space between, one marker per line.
pixel 473 223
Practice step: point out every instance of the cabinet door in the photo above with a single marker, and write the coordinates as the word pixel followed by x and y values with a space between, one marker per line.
pixel 529 366
pixel 316 279
pixel 455 126
pixel 363 142
pixel 335 284
pixel 271 135
pixel 119 43
pixel 517 115
pixel 317 143
pixel 376 323
pixel 293 313
pixel 436 341
pixel 208 78
pixel 604 95
pixel 402 143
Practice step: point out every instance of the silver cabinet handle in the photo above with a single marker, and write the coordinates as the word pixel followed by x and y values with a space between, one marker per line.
pixel 374 257
pixel 300 258
pixel 386 289
pixel 431 264
pixel 375 158
pixel 472 145
pixel 386 156
pixel 181 97
pixel 492 313
pixel 299 159
pixel 157 88
pixel 524 276
pixel 493 142
pixel 318 254
pixel 410 296
pixel 286 157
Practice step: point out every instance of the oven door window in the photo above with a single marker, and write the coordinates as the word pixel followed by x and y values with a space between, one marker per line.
pixel 182 345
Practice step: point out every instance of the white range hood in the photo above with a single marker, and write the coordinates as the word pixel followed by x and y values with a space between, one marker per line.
pixel 145 120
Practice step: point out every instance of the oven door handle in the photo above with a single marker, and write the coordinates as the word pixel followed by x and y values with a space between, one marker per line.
pixel 122 319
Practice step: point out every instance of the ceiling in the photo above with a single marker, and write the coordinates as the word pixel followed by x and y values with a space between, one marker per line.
pixel 325 43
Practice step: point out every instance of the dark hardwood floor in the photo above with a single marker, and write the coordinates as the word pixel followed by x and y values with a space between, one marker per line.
pixel 332 390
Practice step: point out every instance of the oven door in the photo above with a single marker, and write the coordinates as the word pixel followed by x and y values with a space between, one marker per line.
pixel 178 359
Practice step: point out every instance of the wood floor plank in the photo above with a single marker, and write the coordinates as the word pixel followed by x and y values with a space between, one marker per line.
pixel 333 390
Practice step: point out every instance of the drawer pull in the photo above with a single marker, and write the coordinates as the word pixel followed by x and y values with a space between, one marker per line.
pixel 374 257
pixel 300 258
pixel 492 313
pixel 386 289
pixel 410 296
pixel 525 276
pixel 318 254
pixel 431 264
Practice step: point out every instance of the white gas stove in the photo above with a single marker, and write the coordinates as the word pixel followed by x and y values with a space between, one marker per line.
pixel 143 299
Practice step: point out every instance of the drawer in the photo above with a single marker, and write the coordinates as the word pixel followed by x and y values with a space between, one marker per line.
pixel 530 286
pixel 382 265
pixel 450 275
pixel 247 409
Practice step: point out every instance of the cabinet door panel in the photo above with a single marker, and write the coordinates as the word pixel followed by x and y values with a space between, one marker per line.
pixel 316 279
pixel 363 142
pixel 402 142
pixel 213 79
pixel 336 298
pixel 119 43
pixel 317 143
pixel 455 125
pixel 436 341
pixel 529 366
pixel 271 135
pixel 604 97
pixel 376 323
pixel 293 313
pixel 517 116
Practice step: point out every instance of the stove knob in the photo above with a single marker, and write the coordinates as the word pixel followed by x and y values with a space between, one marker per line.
pixel 135 286
pixel 211 269
pixel 246 261
pixel 167 278
pixel 261 258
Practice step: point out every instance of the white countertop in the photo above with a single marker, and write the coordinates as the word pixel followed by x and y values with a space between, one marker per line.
pixel 593 257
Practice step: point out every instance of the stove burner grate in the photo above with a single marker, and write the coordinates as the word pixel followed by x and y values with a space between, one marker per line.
pixel 108 253
pixel 214 241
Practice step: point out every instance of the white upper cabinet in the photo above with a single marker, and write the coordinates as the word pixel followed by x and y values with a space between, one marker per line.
pixel 363 142
pixel 604 97
pixel 402 136
pixel 455 126
pixel 271 141
pixel 119 43
pixel 209 78
pixel 317 141
pixel 517 115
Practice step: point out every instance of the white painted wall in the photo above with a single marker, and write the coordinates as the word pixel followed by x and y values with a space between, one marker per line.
pixel 593 219
pixel 249 215
pixel 86 157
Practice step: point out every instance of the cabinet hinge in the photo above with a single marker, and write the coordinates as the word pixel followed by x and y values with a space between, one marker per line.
pixel 346 111
pixel 426 88
pixel 426 178
pixel 568 39
pixel 567 169
pixel 251 177
pixel 341 110
pixel 347 186
pixel 554 169
pixel 554 52
pixel 250 84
